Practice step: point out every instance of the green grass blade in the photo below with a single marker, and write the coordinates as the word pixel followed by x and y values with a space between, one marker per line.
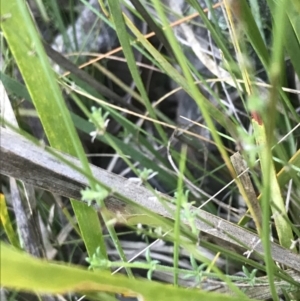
pixel 253 33
pixel 279 212
pixel 66 278
pixel 123 36
pixel 26 47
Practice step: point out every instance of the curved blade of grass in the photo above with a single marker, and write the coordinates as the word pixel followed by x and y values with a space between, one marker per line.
pixel 58 20
pixel 66 278
pixel 279 212
pixel 293 14
pixel 150 22
pixel 253 32
pixel 123 36
pixel 27 49
pixel 254 6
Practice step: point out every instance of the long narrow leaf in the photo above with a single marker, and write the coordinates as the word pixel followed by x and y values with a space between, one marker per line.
pixel 27 49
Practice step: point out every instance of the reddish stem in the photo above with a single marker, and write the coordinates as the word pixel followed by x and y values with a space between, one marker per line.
pixel 256 117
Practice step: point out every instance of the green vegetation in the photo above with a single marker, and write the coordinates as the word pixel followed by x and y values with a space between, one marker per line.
pixel 230 75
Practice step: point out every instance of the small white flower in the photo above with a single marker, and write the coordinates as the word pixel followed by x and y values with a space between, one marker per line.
pixel 99 132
